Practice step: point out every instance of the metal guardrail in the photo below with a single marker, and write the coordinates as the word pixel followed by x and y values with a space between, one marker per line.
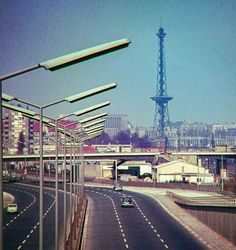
pixel 212 201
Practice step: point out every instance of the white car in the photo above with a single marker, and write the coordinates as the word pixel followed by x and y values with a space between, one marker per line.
pixel 12 208
pixel 117 187
pixel 127 201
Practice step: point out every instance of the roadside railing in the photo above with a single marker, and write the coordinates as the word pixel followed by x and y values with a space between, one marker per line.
pixel 74 240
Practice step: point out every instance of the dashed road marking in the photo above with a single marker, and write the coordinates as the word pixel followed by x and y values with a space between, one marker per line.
pixel 116 215
pixel 150 224
pixel 34 228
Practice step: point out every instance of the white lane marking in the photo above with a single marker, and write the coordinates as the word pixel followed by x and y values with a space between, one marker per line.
pixel 150 224
pixel 116 214
pixel 25 192
pixel 34 228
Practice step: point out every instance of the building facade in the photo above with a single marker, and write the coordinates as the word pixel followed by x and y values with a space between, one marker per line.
pixel 20 132
pixel 17 133
pixel 116 123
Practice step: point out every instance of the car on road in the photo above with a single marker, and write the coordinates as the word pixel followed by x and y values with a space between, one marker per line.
pixel 117 187
pixel 12 208
pixel 127 201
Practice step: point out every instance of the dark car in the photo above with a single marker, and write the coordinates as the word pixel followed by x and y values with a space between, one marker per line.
pixel 127 201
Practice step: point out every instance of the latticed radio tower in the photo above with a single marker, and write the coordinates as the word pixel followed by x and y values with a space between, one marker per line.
pixel 161 119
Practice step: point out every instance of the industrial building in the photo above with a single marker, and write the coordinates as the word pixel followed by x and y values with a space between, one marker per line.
pixel 180 171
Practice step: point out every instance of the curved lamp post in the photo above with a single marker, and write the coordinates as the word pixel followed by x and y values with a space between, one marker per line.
pixel 54 64
pixel 78 113
pixel 70 99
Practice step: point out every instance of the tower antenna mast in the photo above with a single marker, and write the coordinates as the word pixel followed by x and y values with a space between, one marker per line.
pixel 161 99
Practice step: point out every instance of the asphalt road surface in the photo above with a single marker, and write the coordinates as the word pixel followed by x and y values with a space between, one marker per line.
pixel 21 231
pixel 145 226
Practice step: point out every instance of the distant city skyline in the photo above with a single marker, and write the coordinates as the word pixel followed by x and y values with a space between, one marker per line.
pixel 200 55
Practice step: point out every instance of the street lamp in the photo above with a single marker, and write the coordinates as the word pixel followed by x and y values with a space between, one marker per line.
pixel 97 122
pixel 92 118
pixel 78 113
pixel 73 58
pixel 51 65
pixel 94 121
pixel 82 140
pixel 7 98
pixel 65 180
pixel 93 128
pixel 91 135
pixel 26 112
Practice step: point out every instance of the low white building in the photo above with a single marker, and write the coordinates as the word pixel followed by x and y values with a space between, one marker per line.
pixel 180 171
pixel 136 168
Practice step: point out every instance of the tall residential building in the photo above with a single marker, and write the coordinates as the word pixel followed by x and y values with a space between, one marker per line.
pixel 17 133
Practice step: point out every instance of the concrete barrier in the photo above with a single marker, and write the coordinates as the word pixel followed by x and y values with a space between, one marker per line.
pixel 206 201
pixel 74 240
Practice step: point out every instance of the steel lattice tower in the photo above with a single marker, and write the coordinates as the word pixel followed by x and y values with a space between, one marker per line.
pixel 161 119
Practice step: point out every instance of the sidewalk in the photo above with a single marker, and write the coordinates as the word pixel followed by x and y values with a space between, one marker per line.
pixel 205 234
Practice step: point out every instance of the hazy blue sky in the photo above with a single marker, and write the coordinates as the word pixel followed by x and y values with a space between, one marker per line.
pixel 200 55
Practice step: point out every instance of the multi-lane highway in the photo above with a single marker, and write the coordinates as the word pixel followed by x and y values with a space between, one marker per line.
pixel 145 226
pixel 21 231
pixel 108 225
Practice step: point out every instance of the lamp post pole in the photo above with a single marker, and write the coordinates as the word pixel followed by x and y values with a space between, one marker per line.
pixel 222 173
pixel 71 204
pixel 65 210
pixel 74 175
pixel 69 99
pixel 41 175
pixel 78 113
pixel 116 170
pixel 65 184
pixel 52 65
pixel 65 174
pixel 1 169
pixel 77 175
pixel 81 175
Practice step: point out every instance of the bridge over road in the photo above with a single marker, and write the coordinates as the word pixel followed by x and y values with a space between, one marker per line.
pixel 191 157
